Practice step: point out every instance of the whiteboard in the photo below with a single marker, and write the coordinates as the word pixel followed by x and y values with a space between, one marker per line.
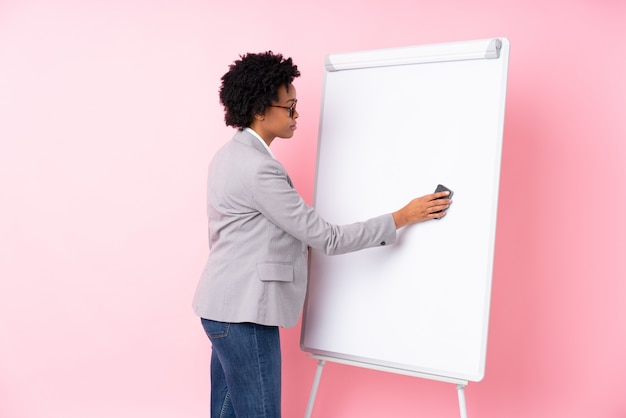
pixel 394 124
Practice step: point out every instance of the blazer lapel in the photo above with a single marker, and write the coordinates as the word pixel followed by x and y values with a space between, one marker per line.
pixel 247 138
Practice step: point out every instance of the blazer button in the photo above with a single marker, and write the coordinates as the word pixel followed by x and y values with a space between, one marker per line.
pixel 383 243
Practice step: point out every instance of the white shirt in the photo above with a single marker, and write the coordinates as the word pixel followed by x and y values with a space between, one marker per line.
pixel 260 139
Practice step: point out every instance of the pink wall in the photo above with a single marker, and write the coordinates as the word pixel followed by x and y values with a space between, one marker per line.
pixel 109 115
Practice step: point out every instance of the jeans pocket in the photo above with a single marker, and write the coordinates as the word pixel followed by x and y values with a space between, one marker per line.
pixel 215 329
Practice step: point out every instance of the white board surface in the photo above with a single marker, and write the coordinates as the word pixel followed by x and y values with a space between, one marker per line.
pixel 394 124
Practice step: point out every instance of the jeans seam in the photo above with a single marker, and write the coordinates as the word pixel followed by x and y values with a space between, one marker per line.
pixel 258 362
pixel 225 404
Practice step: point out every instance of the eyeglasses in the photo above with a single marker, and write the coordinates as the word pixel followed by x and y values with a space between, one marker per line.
pixel 291 108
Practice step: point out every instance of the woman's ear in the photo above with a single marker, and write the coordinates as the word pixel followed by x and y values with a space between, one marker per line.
pixel 259 116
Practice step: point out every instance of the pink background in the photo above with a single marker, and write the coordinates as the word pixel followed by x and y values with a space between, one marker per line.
pixel 108 118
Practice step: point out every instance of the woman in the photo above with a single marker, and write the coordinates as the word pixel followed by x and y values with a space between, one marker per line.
pixel 259 230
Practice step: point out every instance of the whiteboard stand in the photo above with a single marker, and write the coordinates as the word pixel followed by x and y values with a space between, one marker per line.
pixel 321 361
pixel 448 118
pixel 462 407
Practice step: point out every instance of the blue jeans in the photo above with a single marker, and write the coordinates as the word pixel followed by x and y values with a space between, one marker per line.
pixel 245 370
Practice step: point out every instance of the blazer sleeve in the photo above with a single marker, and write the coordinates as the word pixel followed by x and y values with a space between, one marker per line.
pixel 274 196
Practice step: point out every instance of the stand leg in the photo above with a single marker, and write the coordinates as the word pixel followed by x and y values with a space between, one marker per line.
pixel 316 383
pixel 462 407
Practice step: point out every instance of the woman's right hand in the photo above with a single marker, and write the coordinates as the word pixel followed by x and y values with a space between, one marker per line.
pixel 422 209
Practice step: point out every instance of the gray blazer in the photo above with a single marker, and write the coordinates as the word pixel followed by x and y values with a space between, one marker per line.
pixel 259 232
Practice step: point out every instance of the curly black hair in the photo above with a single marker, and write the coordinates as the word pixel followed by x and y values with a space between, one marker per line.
pixel 251 84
